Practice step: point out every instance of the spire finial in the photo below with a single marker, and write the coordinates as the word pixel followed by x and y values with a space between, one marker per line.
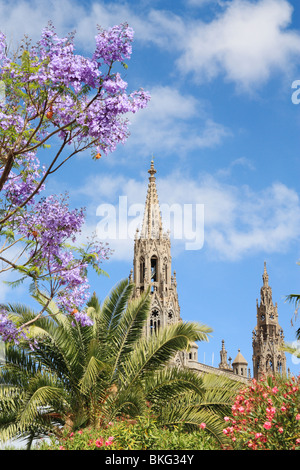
pixel 152 222
pixel 265 275
pixel 152 170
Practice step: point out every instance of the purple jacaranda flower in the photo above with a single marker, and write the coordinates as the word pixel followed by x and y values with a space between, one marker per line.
pixel 49 92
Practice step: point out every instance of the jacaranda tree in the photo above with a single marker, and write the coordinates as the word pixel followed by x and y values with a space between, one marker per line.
pixel 54 104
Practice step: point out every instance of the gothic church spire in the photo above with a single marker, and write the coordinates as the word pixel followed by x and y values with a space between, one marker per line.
pixel 152 223
pixel 152 269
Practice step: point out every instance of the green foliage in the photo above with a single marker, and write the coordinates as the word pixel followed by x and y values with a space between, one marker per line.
pixel 143 433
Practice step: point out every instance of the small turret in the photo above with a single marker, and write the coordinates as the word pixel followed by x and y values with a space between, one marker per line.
pixel 223 358
pixel 240 365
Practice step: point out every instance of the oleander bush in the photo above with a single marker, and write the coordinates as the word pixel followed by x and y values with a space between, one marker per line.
pixel 266 416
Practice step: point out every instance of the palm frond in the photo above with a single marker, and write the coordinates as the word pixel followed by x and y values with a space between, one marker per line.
pixel 130 328
pixel 291 349
pixel 157 350
pixel 172 382
pixel 294 299
pixel 114 306
pixel 91 373
pixel 184 412
pixel 94 303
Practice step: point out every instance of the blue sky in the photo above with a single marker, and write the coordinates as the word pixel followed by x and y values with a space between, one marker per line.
pixel 224 133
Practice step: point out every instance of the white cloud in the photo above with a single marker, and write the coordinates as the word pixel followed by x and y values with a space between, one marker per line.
pixel 246 43
pixel 30 17
pixel 238 162
pixel 267 221
pixel 174 122
pixel 70 15
pixel 238 221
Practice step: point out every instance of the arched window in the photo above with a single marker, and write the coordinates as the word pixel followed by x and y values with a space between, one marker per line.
pixel 279 365
pixel 154 269
pixel 154 321
pixel 166 270
pixel 142 270
pixel 269 364
pixel 258 363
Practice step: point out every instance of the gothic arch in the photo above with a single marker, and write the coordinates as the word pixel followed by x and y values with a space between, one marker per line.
pixel 154 268
pixel 279 365
pixel 269 363
pixel 154 321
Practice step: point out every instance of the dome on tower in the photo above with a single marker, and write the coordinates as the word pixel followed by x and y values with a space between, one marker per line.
pixel 239 359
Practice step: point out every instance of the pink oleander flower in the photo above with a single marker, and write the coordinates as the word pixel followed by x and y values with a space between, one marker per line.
pixel 280 430
pixel 298 416
pixel 109 441
pixel 226 418
pixel 275 389
pixel 267 425
pixel 99 443
pixel 271 410
pixel 202 426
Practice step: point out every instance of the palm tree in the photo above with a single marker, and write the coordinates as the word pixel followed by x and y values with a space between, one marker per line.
pixel 293 348
pixel 76 376
pixel 33 399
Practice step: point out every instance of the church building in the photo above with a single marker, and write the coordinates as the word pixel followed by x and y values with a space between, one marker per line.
pixel 152 268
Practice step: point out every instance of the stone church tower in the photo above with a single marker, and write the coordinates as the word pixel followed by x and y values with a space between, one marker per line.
pixel 268 335
pixel 152 267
